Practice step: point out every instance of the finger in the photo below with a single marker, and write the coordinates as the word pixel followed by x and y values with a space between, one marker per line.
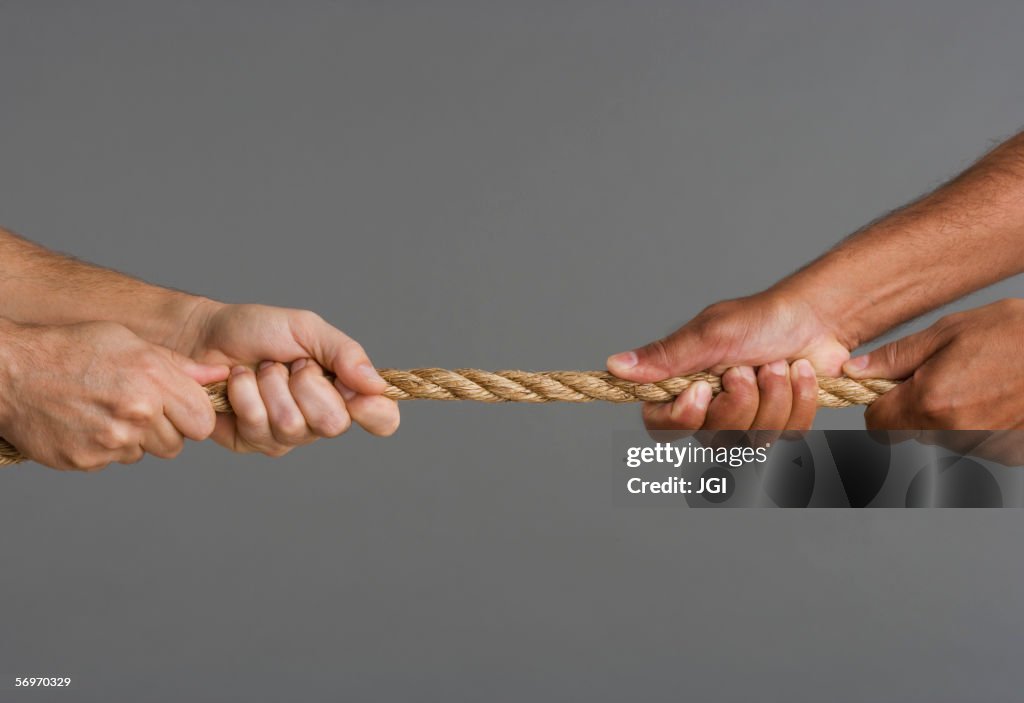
pixel 225 433
pixel 895 409
pixel 682 352
pixel 776 397
pixel 374 413
pixel 200 373
pixel 187 405
pixel 249 427
pixel 287 424
pixel 804 383
pixel 317 399
pixel 899 359
pixel 736 406
pixel 687 412
pixel 130 455
pixel 162 439
pixel 335 350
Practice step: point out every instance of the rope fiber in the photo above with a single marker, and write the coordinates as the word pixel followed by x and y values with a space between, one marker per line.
pixel 550 386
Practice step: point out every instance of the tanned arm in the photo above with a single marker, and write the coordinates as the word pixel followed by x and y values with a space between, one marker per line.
pixel 964 236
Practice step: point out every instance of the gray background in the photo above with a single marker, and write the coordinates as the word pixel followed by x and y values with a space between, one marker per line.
pixel 529 185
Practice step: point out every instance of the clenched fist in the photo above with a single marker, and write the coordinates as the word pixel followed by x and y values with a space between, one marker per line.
pixel 84 395
pixel 965 372
pixel 733 338
pixel 278 388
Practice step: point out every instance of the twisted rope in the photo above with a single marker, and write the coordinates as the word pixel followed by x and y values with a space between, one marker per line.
pixel 550 386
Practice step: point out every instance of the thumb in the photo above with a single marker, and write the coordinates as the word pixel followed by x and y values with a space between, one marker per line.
pixel 200 373
pixel 336 351
pixel 897 360
pixel 682 352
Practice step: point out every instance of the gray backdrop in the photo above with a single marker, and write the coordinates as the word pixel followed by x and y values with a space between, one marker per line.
pixel 529 185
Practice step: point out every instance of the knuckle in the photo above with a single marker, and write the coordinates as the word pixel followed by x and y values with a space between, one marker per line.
pixel 132 457
pixel 139 409
pixel 891 353
pixel 333 423
pixel 302 374
pixel 113 436
pixel 306 320
pixel 169 451
pixel 86 462
pixel 291 427
pixel 715 311
pixel 309 317
pixel 149 364
pixel 348 355
pixel 275 369
pixel 934 407
pixel 205 419
pixel 660 350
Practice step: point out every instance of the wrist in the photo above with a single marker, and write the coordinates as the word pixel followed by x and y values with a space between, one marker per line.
pixel 192 316
pixel 835 309
pixel 12 354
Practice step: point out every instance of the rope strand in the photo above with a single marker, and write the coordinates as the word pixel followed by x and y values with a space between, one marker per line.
pixel 550 386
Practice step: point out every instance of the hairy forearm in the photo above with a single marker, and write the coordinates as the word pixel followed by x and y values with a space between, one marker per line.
pixel 964 236
pixel 38 286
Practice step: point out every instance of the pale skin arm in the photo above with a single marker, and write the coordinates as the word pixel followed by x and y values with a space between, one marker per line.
pixel 42 287
pixel 277 356
pixel 964 236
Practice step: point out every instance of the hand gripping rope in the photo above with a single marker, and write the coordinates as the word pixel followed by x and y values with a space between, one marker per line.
pixel 550 386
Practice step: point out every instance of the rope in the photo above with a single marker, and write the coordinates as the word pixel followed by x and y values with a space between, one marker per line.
pixel 550 386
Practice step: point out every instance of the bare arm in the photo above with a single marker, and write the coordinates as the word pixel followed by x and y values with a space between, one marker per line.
pixel 280 394
pixel 965 235
pixel 38 286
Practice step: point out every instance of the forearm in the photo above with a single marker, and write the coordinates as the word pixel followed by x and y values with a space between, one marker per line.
pixel 964 236
pixel 38 286
pixel 10 348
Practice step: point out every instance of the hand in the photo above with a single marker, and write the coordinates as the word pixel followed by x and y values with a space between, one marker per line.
pixel 286 401
pixel 748 332
pixel 82 396
pixel 779 397
pixel 963 373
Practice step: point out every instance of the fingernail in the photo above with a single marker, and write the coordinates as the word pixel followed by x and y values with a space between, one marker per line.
pixel 803 368
pixel 623 360
pixel 265 365
pixel 777 368
pixel 369 372
pixel 299 364
pixel 702 396
pixel 747 373
pixel 346 392
pixel 238 370
pixel 857 363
